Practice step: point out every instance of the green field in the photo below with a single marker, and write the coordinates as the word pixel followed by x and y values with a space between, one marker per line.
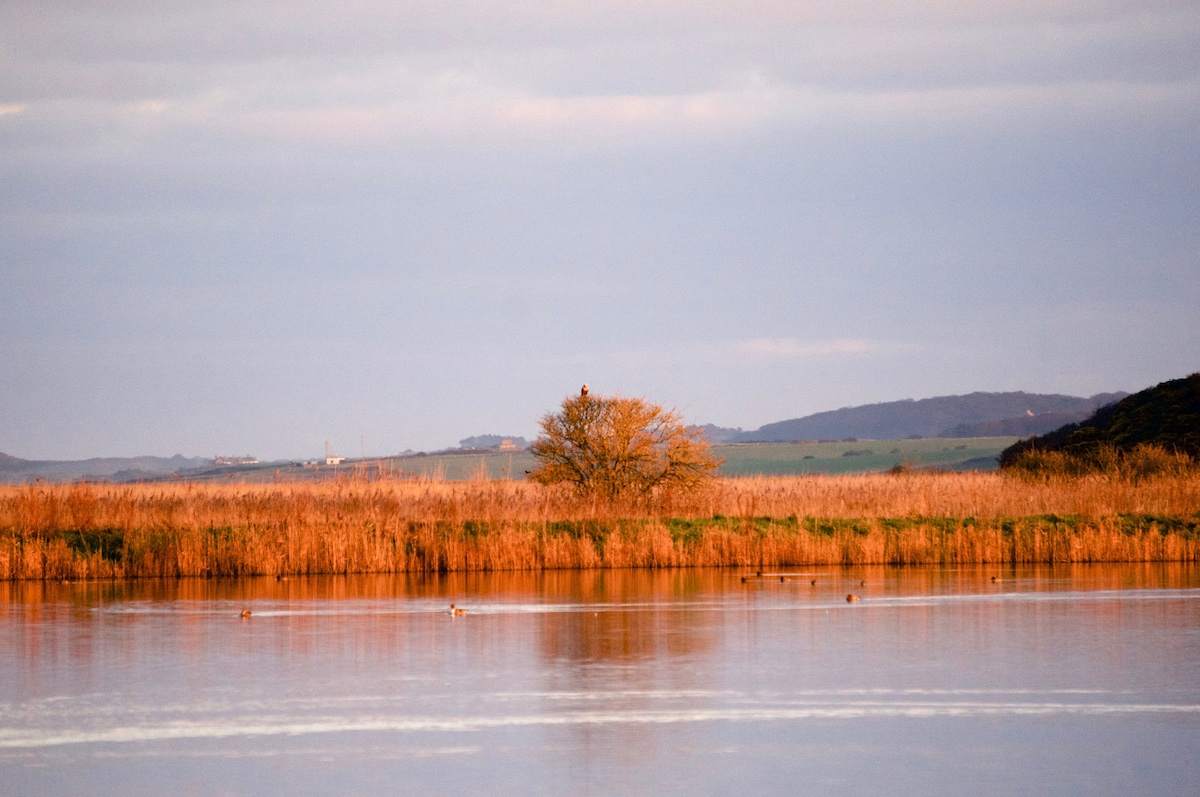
pixel 751 459
pixel 743 459
pixel 448 466
pixel 972 453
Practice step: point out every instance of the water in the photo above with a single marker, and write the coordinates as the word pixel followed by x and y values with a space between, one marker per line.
pixel 1071 680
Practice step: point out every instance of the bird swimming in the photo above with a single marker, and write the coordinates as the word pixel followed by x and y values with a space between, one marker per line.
pixel 851 598
pixel 246 614
pixel 455 612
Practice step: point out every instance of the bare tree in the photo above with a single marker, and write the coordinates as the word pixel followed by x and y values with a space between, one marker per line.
pixel 616 447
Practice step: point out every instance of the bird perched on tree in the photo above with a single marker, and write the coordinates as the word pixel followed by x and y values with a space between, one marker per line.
pixel 583 392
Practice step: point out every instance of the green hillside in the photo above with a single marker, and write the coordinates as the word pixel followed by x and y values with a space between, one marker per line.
pixel 1166 415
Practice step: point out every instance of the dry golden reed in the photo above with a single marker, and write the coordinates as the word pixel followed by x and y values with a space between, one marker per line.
pixel 185 529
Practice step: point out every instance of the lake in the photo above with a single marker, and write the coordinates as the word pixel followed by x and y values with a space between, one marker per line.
pixel 1059 680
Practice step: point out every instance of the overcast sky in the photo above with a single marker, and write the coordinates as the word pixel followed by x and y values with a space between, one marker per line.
pixel 248 227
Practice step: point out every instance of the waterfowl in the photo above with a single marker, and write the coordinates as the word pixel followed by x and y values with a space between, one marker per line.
pixel 246 614
pixel 456 612
pixel 814 582
pixel 851 598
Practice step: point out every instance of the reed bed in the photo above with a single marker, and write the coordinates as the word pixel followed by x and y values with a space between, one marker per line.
pixel 85 531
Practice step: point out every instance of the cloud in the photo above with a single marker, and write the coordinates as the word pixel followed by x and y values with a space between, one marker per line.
pixel 542 192
pixel 382 74
pixel 495 116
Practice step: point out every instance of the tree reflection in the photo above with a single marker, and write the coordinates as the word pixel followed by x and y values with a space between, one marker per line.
pixel 627 616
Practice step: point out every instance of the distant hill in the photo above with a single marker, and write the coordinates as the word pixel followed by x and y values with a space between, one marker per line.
pixel 492 441
pixel 1167 415
pixel 717 435
pixel 944 416
pixel 14 470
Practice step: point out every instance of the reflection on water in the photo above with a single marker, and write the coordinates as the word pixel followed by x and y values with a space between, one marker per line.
pixel 1076 679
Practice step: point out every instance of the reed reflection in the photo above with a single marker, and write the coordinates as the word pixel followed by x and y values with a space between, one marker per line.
pixel 605 629
pixel 579 674
pixel 637 615
pixel 639 643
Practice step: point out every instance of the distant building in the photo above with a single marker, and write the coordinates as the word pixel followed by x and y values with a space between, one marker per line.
pixel 330 457
pixel 246 460
pixel 508 445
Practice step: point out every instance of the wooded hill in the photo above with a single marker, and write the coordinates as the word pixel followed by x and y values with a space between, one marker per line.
pixel 1166 415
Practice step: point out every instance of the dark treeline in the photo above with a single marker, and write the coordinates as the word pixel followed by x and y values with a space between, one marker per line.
pixel 1158 428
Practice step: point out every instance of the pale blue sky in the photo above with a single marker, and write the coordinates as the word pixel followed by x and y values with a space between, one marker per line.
pixel 235 227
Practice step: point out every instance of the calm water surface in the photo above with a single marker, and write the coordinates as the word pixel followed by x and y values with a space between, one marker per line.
pixel 1069 680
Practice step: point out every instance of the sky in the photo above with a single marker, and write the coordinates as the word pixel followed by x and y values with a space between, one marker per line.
pixel 235 227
